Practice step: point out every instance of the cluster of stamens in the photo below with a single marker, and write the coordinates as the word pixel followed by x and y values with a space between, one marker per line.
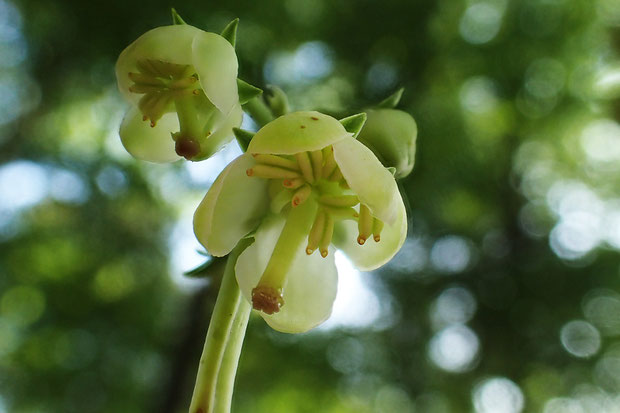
pixel 161 83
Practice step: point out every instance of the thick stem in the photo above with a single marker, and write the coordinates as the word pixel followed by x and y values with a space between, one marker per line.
pixel 259 111
pixel 222 347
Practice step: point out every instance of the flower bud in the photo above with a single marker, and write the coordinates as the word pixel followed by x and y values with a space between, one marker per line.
pixel 391 135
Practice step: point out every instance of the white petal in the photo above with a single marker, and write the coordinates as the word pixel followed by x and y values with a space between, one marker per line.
pixel 147 143
pixel 373 184
pixel 171 44
pixel 298 132
pixel 216 64
pixel 311 283
pixel 372 254
pixel 233 206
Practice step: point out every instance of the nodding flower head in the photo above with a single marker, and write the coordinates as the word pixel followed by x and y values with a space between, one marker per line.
pixel 181 83
pixel 305 184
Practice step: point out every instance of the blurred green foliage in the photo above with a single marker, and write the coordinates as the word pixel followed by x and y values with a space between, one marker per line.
pixel 505 298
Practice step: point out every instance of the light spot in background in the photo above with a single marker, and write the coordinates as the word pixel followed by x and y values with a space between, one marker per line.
pixel 450 254
pixel 567 196
pixel 23 184
pixel 381 77
pixel 22 305
pixel 74 349
pixel 10 338
pixel 346 355
pixel 607 370
pixel 111 181
pixel 310 62
pixel 498 395
pixel 390 399
pixel 412 257
pixel 356 305
pixel 545 78
pixel 575 235
pixel 481 22
pixel 114 281
pixel 454 348
pixel 478 94
pixel 205 172
pixel 67 186
pixel 600 141
pixel 455 305
pixel 580 338
pixel 601 308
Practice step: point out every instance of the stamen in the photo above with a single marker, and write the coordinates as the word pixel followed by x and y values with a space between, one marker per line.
pixel 339 201
pixel 271 172
pixel 317 164
pixel 142 79
pixel 330 163
pixel 341 213
pixel 305 166
pixel 316 232
pixel 364 224
pixel 328 232
pixel 377 227
pixel 267 299
pixel 336 176
pixel 276 160
pixel 293 183
pixel 301 195
pixel 142 88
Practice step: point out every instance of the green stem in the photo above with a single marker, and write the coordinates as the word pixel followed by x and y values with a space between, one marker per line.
pixel 220 355
pixel 259 111
pixel 188 116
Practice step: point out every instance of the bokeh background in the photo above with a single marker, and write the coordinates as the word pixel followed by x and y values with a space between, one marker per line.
pixel 504 299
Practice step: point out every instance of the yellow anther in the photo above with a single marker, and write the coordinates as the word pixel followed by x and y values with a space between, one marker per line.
pixel 377 227
pixel 336 176
pixel 330 163
pixel 301 195
pixel 341 212
pixel 317 164
pixel 328 232
pixel 276 160
pixel 293 183
pixel 305 166
pixel 364 224
pixel 339 201
pixel 316 232
pixel 271 172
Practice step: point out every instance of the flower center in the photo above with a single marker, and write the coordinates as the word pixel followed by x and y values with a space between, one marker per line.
pixel 307 175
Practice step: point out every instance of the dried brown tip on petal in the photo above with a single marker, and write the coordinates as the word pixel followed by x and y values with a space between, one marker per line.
pixel 267 299
pixel 361 240
pixel 187 148
pixel 324 253
pixel 303 126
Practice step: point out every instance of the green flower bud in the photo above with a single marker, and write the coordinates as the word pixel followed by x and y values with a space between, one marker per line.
pixel 182 85
pixel 391 135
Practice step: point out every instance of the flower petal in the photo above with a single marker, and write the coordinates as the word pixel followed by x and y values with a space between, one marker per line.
pixel 298 132
pixel 167 43
pixel 372 254
pixel 147 143
pixel 311 283
pixel 233 206
pixel 223 133
pixel 367 177
pixel 215 62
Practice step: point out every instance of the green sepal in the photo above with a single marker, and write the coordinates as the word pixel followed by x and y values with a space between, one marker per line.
pixel 230 32
pixel 211 267
pixel 243 137
pixel 176 17
pixel 392 170
pixel 353 124
pixel 391 101
pixel 277 101
pixel 247 91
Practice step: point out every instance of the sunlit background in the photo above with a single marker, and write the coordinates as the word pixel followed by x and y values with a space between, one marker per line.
pixel 504 299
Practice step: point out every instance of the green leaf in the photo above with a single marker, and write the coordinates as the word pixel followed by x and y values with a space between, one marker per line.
pixel 230 32
pixel 391 101
pixel 247 91
pixel 353 124
pixel 277 101
pixel 243 137
pixel 176 18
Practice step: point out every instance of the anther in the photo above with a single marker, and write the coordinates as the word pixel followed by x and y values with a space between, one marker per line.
pixel 301 195
pixel 328 232
pixel 341 213
pixel 195 92
pixel 377 227
pixel 293 183
pixel 364 224
pixel 153 123
pixel 145 118
pixel 316 232
pixel 271 172
pixel 267 299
